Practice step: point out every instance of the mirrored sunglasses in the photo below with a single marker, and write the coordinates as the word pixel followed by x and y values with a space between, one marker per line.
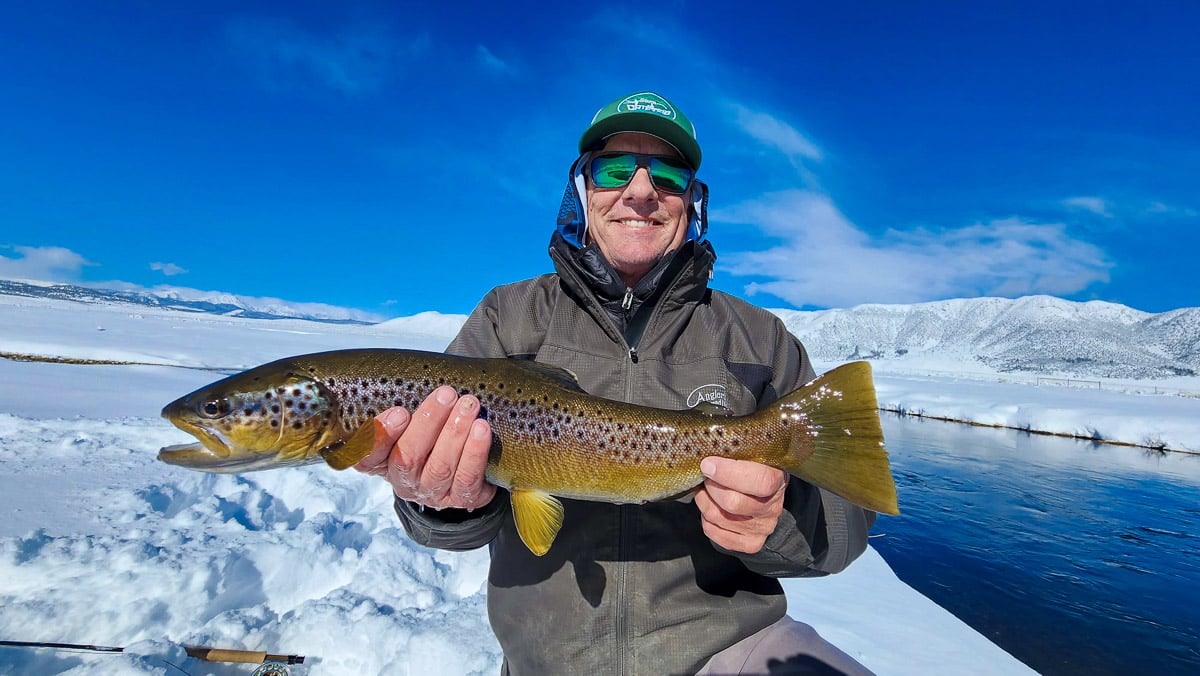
pixel 615 170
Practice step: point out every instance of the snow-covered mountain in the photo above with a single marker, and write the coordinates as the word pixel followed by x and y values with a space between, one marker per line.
pixel 188 300
pixel 1040 334
pixel 1035 334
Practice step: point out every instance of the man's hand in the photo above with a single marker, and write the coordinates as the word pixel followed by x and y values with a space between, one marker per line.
pixel 740 502
pixel 437 456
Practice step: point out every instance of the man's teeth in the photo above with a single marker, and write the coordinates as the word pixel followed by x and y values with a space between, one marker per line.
pixel 636 223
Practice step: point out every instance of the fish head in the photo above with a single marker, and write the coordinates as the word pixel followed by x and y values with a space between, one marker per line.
pixel 260 419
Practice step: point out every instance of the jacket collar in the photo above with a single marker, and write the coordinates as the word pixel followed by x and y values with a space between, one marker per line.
pixel 678 278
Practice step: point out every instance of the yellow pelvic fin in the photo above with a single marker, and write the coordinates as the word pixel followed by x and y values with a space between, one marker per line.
pixel 357 447
pixel 539 515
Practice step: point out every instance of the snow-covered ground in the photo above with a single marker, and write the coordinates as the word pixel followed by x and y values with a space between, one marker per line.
pixel 104 545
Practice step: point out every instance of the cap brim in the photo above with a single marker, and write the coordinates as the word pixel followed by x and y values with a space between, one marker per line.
pixel 645 123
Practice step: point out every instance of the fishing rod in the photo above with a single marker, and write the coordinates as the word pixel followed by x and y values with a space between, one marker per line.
pixel 271 664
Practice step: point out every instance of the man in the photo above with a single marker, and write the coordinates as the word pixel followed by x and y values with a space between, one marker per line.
pixel 667 587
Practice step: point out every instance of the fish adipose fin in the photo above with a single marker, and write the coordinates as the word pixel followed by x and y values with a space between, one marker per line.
pixel 358 446
pixel 539 515
pixel 843 450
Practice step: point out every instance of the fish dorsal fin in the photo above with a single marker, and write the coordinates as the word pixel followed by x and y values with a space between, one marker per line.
pixel 561 376
pixel 712 410
pixel 539 515
pixel 358 446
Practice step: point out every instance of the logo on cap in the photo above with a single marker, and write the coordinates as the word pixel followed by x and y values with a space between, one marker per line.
pixel 646 103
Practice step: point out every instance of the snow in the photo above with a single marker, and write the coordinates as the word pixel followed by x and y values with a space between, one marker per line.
pixel 104 545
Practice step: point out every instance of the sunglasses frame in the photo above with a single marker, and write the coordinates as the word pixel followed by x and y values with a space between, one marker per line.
pixel 640 160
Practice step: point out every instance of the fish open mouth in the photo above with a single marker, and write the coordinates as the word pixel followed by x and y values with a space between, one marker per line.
pixel 197 456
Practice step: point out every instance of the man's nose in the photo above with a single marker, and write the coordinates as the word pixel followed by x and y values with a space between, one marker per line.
pixel 640 187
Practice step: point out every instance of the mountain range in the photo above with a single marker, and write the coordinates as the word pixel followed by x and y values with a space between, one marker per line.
pixel 1038 334
pixel 186 300
pixel 1035 334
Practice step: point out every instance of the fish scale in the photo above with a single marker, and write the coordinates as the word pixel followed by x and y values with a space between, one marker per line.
pixel 550 439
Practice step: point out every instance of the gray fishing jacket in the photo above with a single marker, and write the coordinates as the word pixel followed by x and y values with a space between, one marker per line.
pixel 639 589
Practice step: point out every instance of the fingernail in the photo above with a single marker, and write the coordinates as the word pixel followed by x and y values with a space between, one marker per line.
pixel 394 417
pixel 479 430
pixel 708 467
pixel 466 405
pixel 445 395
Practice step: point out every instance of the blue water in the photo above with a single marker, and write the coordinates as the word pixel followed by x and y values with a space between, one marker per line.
pixel 1077 558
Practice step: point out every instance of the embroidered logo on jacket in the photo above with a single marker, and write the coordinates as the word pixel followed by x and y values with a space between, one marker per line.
pixel 712 393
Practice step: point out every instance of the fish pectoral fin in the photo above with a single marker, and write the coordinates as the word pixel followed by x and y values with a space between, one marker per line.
pixel 539 515
pixel 358 446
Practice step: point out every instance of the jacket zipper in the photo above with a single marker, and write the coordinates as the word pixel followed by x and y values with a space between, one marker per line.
pixel 626 305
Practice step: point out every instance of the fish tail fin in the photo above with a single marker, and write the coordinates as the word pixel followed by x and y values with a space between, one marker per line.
pixel 838 444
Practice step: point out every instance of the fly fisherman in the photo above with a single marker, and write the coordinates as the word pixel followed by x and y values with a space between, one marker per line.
pixel 664 587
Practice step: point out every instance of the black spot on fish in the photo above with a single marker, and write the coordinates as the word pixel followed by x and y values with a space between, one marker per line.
pixel 297 425
pixel 275 408
pixel 274 423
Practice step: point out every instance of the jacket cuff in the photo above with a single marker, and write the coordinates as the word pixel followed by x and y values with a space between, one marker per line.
pixel 454 529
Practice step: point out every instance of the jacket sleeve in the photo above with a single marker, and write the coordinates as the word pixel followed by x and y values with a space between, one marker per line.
pixel 459 529
pixel 818 533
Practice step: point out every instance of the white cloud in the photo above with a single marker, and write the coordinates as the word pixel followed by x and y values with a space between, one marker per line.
pixel 825 260
pixel 355 60
pixel 45 263
pixel 776 134
pixel 168 269
pixel 493 62
pixel 1164 209
pixel 1095 205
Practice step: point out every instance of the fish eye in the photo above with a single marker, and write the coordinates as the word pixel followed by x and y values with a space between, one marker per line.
pixel 215 408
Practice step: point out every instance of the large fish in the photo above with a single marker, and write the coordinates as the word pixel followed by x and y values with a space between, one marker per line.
pixel 549 437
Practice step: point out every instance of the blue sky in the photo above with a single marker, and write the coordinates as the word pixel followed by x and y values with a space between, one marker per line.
pixel 395 160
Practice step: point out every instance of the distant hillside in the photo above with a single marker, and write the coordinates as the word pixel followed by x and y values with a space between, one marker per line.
pixel 1040 334
pixel 1035 334
pixel 212 303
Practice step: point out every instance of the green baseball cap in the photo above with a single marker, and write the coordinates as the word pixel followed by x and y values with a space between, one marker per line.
pixel 648 113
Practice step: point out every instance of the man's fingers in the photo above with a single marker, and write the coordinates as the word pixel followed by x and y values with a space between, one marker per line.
pixel 744 476
pixel 469 488
pixel 444 459
pixel 411 450
pixel 735 502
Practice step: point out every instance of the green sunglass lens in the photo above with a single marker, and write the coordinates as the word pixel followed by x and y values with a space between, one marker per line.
pixel 669 177
pixel 615 171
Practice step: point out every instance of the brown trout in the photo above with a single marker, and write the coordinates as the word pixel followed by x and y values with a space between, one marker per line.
pixel 550 438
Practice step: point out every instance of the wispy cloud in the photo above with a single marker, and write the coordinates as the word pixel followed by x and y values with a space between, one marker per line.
pixel 776 134
pixel 42 263
pixel 825 260
pixel 168 269
pixel 1095 205
pixel 355 60
pixel 1163 209
pixel 493 62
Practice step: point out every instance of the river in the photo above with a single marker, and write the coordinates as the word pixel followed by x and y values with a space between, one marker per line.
pixel 1075 557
